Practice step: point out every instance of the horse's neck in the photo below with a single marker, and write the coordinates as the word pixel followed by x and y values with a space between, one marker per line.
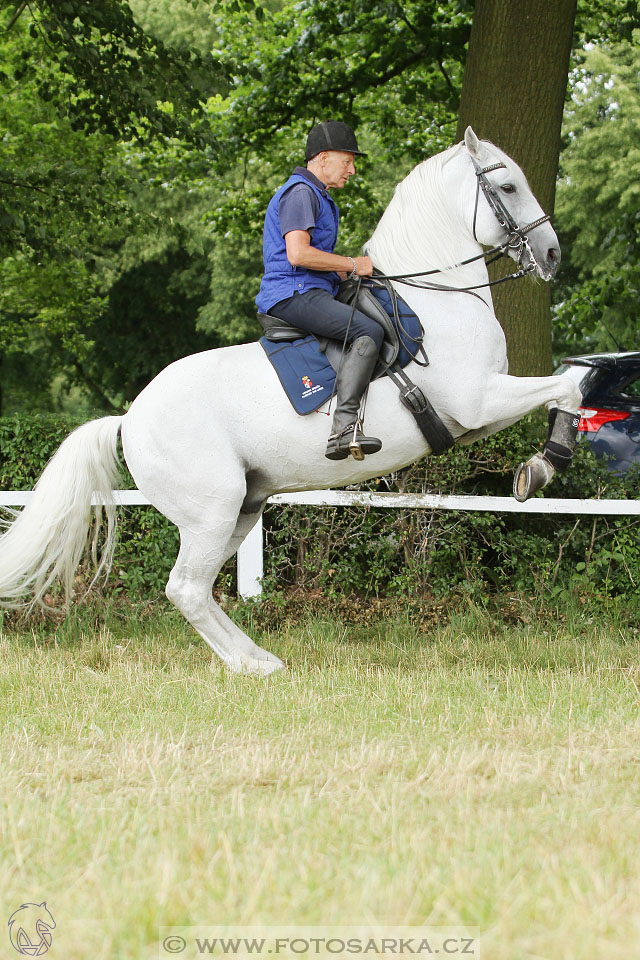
pixel 422 229
pixel 441 265
pixel 468 282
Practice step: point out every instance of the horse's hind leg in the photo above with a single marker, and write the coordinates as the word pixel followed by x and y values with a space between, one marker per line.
pixel 199 561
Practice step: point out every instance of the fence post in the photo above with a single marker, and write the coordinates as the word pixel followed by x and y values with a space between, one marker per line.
pixel 250 566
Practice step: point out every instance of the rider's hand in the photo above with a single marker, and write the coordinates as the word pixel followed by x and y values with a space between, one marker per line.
pixel 364 267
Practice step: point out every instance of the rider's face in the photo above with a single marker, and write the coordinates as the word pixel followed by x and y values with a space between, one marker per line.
pixel 336 167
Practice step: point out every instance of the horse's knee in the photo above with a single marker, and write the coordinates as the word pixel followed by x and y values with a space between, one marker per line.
pixel 570 396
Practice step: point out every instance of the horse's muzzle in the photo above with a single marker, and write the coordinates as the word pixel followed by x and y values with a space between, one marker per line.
pixel 552 261
pixel 545 262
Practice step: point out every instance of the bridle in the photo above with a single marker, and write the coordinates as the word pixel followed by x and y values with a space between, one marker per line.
pixel 517 240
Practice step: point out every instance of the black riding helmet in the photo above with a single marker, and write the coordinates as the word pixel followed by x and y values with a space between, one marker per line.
pixel 332 135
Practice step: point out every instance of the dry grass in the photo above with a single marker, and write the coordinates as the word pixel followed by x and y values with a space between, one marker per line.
pixel 481 775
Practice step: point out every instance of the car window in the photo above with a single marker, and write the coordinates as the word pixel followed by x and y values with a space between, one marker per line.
pixel 576 373
pixel 631 389
pixel 584 377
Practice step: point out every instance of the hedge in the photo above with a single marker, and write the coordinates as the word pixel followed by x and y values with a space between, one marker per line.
pixel 334 551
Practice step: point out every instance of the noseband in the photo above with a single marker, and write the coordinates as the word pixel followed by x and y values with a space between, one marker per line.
pixel 517 239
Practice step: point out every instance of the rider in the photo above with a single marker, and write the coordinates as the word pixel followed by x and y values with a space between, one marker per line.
pixel 302 274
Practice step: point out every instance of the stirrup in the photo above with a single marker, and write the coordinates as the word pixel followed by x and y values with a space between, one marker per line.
pixel 357 447
pixel 361 445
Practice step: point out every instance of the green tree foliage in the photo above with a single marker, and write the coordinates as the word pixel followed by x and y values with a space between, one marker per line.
pixel 147 323
pixel 599 202
pixel 52 178
pixel 119 78
pixel 87 104
pixel 604 21
pixel 60 203
pixel 336 58
pixel 144 139
pixel 181 24
pixel 77 79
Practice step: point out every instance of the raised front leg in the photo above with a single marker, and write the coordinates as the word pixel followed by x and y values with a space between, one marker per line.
pixel 482 399
pixel 503 399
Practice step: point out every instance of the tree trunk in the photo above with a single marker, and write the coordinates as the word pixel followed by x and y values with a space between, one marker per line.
pixel 513 93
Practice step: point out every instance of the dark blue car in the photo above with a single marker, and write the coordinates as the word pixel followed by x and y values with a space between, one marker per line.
pixel 610 412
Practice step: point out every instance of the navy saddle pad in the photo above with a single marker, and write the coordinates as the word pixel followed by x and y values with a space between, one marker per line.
pixel 305 372
pixel 409 330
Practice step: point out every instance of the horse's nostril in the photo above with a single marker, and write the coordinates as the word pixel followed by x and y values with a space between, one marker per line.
pixel 553 256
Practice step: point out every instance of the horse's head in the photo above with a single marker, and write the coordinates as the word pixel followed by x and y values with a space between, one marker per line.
pixel 504 208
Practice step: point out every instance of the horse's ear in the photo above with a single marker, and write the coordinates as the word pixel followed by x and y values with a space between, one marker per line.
pixel 471 142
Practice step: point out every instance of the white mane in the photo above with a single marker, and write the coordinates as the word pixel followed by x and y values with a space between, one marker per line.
pixel 420 229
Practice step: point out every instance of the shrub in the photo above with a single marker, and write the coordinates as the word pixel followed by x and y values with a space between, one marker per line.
pixel 336 551
pixel 417 552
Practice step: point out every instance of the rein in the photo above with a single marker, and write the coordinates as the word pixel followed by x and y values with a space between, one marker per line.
pixel 517 240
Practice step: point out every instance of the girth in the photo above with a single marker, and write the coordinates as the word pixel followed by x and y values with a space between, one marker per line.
pixel 398 344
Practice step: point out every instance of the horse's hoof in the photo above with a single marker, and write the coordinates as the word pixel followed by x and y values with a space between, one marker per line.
pixel 531 477
pixel 261 668
pixel 267 667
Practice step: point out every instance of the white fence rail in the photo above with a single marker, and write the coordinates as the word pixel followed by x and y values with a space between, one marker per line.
pixel 250 554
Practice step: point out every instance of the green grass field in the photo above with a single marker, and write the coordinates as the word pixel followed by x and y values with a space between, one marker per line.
pixel 475 773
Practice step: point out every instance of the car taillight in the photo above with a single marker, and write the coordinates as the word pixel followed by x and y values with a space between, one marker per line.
pixel 591 420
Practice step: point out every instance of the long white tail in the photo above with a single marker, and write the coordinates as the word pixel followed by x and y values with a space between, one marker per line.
pixel 47 539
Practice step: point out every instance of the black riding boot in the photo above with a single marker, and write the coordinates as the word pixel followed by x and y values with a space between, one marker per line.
pixel 355 372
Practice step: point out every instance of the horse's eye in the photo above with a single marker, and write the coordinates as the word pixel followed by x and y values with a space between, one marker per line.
pixel 508 188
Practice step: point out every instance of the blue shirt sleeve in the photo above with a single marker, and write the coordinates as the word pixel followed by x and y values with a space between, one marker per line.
pixel 298 209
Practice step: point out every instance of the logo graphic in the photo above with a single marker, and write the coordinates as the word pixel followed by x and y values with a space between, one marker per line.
pixel 307 382
pixel 30 929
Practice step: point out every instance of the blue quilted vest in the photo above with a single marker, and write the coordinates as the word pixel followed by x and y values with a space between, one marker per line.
pixel 281 280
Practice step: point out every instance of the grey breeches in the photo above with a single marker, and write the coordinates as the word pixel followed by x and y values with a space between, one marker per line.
pixel 319 313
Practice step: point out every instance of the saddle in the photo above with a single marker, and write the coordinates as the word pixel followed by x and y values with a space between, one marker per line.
pixel 403 343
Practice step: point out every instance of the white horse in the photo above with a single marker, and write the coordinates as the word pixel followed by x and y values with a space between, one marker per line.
pixel 213 435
